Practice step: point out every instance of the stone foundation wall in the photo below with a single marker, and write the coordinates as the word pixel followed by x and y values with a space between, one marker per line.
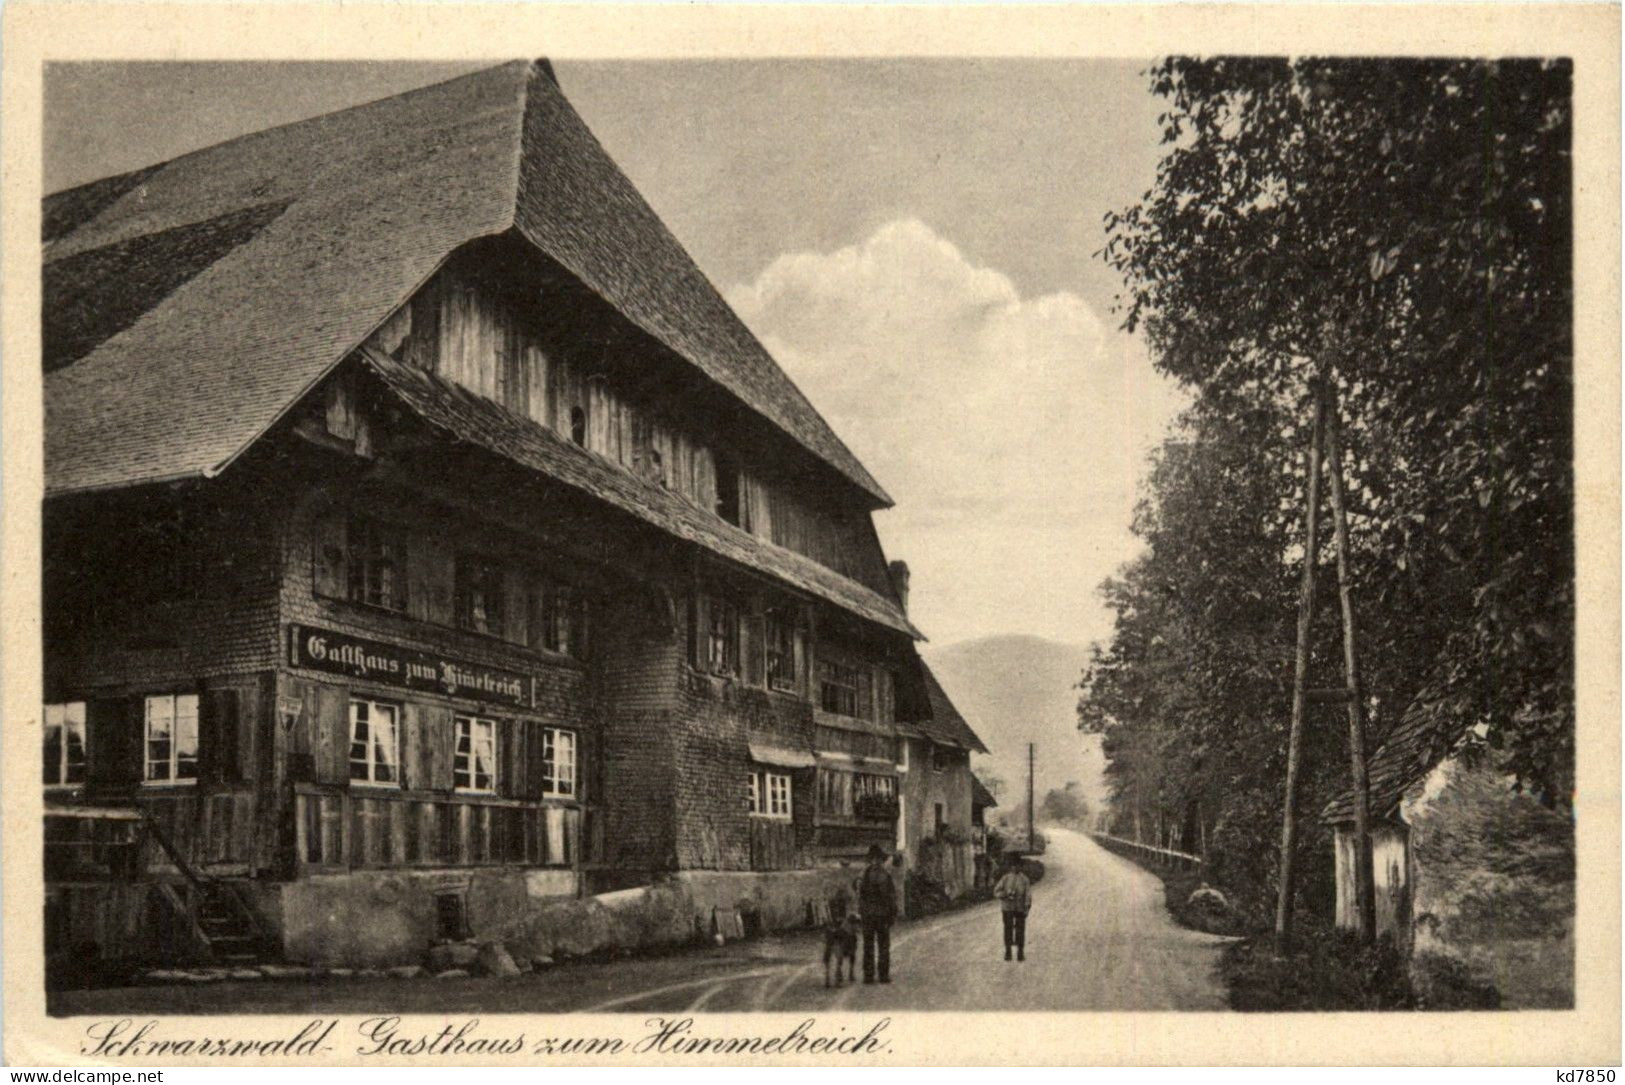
pixel 377 919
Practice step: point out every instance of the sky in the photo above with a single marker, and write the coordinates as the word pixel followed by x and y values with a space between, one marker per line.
pixel 913 240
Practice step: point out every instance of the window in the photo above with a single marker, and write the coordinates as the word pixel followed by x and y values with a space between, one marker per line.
pixel 560 620
pixel 837 687
pixel 722 637
pixel 377 564
pixel 834 791
pixel 558 762
pixel 883 787
pixel 474 765
pixel 65 744
pixel 479 595
pixel 874 796
pixel 578 426
pixel 781 650
pixel 451 917
pixel 375 751
pixel 770 794
pixel 902 755
pixel 942 758
pixel 171 729
pixel 727 487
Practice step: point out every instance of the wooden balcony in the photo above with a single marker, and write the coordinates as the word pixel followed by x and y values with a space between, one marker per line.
pixel 341 829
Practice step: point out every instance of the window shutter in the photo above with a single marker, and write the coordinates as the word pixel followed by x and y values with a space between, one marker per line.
pixel 114 733
pixel 330 549
pixel 413 770
pixel 218 730
pixel 331 734
pixel 803 662
pixel 516 605
pixel 753 637
pixel 530 782
pixel 702 633
pixel 439 742
pixel 511 762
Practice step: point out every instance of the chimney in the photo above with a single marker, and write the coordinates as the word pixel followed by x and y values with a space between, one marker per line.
pixel 899 581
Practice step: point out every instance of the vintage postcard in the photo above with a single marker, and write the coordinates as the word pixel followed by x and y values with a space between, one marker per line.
pixel 725 535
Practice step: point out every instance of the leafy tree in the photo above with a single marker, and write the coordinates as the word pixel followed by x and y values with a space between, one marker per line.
pixel 1065 803
pixel 1401 229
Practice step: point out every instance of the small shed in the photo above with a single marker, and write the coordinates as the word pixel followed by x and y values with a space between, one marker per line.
pixel 1404 759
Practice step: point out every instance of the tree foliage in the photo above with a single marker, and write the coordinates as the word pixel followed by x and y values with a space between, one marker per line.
pixel 1401 229
pixel 1065 804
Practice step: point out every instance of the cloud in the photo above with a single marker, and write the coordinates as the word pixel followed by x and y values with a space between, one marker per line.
pixel 988 416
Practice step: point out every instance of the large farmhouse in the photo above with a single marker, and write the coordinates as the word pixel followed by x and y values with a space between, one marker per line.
pixel 427 542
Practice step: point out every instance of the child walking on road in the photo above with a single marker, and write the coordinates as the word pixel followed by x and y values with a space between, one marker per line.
pixel 1015 892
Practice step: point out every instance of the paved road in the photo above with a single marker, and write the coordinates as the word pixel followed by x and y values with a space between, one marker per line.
pixel 1098 938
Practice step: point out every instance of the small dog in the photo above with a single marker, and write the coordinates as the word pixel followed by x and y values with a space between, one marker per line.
pixel 841 944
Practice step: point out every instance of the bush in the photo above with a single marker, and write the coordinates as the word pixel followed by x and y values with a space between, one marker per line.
pixel 1446 983
pixel 1327 970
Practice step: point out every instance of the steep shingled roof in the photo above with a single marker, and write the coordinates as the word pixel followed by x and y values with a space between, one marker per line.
pixel 979 794
pixel 946 725
pixel 189 304
pixel 1416 745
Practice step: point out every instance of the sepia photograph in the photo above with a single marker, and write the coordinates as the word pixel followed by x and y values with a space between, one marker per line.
pixel 810 535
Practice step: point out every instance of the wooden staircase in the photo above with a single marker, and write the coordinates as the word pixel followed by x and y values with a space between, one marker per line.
pixel 210 919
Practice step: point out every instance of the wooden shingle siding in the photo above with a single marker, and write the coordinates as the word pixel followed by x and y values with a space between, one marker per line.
pixel 478 341
pixel 773 845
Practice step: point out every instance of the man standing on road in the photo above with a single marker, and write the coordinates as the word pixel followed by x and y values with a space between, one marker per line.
pixel 877 907
pixel 1015 892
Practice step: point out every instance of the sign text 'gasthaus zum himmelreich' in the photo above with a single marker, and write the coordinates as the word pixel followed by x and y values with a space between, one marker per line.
pixel 374 661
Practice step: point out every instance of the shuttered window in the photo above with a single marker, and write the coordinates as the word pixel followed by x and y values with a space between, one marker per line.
pixel 558 762
pixel 781 650
pixel 769 794
pixel 837 687
pixel 376 565
pixel 474 766
pixel 560 622
pixel 722 636
pixel 65 744
pixel 375 743
pixel 479 595
pixel 171 738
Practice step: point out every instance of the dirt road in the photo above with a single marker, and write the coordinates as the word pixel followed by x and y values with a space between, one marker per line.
pixel 1098 938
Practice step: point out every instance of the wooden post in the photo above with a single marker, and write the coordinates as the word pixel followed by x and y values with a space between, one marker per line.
pixel 1300 681
pixel 1032 841
pixel 1364 885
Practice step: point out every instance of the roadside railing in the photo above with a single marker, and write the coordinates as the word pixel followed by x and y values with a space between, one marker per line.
pixel 1161 856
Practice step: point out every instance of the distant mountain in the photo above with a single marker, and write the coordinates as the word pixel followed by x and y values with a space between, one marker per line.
pixel 1019 689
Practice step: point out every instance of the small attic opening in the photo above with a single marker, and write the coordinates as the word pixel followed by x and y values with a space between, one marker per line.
pixel 727 486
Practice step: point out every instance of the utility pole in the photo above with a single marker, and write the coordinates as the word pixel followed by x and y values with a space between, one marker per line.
pixel 1032 841
pixel 1300 683
pixel 1364 878
pixel 1326 434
